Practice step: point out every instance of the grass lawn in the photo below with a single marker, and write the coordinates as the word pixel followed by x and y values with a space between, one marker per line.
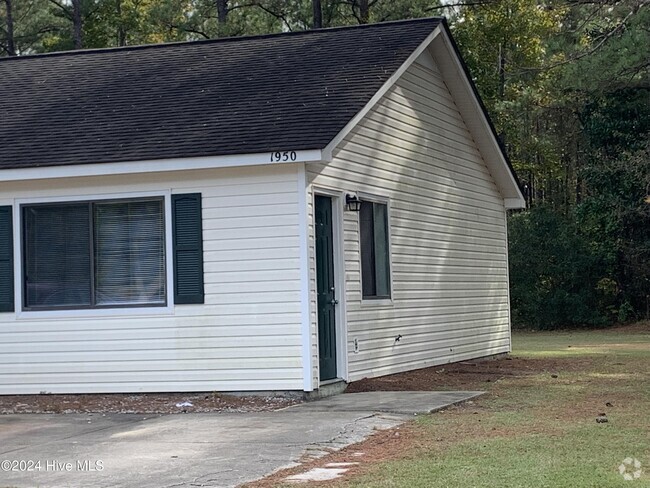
pixel 537 426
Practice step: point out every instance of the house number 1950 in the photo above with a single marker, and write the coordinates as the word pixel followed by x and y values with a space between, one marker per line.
pixel 283 156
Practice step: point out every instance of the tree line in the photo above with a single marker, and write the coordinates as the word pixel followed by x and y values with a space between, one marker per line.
pixel 567 83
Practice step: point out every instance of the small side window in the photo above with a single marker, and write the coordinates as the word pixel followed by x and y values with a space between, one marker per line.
pixel 375 254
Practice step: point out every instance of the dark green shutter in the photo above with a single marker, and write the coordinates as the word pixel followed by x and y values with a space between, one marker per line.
pixel 188 248
pixel 6 261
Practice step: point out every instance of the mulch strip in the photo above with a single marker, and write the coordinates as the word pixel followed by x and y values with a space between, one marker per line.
pixel 149 403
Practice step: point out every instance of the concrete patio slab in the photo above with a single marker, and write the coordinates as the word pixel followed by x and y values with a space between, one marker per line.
pixel 188 450
pixel 399 402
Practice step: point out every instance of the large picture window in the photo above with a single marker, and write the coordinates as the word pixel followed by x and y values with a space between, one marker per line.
pixel 97 254
pixel 375 262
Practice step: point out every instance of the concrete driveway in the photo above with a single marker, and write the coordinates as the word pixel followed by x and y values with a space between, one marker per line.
pixel 190 450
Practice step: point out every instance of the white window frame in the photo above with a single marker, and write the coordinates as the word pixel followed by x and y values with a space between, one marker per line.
pixel 377 302
pixel 168 309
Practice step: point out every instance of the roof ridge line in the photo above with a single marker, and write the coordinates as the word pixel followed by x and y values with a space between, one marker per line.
pixel 162 45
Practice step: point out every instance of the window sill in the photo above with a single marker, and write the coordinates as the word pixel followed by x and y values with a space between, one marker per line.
pixel 98 313
pixel 374 303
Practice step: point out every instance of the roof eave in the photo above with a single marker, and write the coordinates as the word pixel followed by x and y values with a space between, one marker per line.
pixel 159 165
pixel 459 82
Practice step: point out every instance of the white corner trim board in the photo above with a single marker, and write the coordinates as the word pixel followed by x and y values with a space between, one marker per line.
pixel 157 165
pixel 305 324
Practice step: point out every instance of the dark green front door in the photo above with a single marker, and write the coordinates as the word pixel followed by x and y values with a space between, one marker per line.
pixel 325 288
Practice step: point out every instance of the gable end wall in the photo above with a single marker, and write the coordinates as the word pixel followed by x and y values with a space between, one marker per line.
pixel 448 233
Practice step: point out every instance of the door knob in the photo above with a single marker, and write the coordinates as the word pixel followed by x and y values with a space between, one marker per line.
pixel 334 301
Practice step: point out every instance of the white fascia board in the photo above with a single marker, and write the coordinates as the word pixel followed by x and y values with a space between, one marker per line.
pixel 327 152
pixel 158 165
pixel 475 118
pixel 514 203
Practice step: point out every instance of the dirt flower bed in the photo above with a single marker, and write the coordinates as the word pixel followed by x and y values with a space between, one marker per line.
pixel 149 403
pixel 467 375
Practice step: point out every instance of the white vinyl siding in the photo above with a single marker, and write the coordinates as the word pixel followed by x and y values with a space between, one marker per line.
pixel 247 335
pixel 447 226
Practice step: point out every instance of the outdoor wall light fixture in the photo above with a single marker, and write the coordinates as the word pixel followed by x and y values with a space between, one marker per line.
pixel 352 203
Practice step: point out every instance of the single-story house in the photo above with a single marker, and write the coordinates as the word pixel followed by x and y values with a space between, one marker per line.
pixel 277 212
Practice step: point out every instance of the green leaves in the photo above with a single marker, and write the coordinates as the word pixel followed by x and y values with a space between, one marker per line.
pixel 554 275
pixel 592 265
pixel 615 216
pixel 567 86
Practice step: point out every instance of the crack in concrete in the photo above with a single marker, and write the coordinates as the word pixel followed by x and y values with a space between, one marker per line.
pixel 351 433
pixel 198 481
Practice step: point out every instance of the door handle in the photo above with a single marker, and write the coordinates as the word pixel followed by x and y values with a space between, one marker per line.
pixel 334 301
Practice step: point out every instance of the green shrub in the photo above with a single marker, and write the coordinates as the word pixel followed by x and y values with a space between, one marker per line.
pixel 555 276
pixel 615 217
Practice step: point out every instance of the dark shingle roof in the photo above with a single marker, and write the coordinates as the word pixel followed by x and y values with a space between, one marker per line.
pixel 228 96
